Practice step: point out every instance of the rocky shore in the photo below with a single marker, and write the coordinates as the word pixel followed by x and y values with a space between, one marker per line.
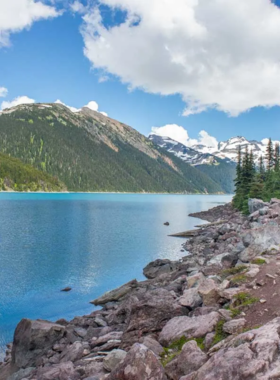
pixel 213 315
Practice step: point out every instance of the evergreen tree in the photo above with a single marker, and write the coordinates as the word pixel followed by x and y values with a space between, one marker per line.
pixel 238 196
pixel 269 155
pixel 261 168
pixel 276 157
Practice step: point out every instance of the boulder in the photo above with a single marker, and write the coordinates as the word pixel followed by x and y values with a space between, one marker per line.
pixel 113 359
pixel 67 289
pixel 61 371
pixel 32 340
pixel 256 204
pixel 114 335
pixel 147 314
pixel 235 326
pixel 72 352
pixel 208 290
pixel 158 267
pixel 21 374
pixel 190 298
pixel 153 345
pixel 229 259
pixel 195 280
pixel 195 327
pixel 140 364
pixel 230 293
pixel 190 359
pixel 251 355
pixel 116 294
pixel 260 240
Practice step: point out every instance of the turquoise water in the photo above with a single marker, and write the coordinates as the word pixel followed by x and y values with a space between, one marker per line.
pixel 91 242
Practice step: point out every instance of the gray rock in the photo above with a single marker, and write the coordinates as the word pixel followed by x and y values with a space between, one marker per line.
pixel 148 313
pixel 21 374
pixel 263 211
pixel 116 294
pixel 256 204
pixel 72 352
pixel 139 364
pixel 229 259
pixel 158 267
pixel 62 371
pixel 32 340
pixel 114 335
pixel 113 359
pixel 251 355
pixel 234 326
pixel 261 239
pixel 208 290
pixel 195 327
pixel 153 345
pixel 190 359
pixel 190 298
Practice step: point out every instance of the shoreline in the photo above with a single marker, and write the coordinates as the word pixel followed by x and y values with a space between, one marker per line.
pixel 96 192
pixel 237 257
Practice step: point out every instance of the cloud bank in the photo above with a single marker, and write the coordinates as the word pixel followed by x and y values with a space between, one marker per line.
pixel 180 134
pixel 16 15
pixel 216 54
pixel 16 102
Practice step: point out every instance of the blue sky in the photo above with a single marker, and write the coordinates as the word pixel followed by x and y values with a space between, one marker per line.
pixel 46 61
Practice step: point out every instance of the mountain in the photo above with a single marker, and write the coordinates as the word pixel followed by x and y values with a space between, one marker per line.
pixel 228 149
pixel 15 175
pixel 221 170
pixel 88 151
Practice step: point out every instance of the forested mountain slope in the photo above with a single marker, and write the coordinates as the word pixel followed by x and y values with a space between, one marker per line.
pixel 222 171
pixel 17 176
pixel 91 152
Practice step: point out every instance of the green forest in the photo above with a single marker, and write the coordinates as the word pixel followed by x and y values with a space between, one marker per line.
pixel 77 149
pixel 17 176
pixel 261 181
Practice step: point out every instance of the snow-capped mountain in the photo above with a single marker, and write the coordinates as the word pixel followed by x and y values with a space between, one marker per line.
pixel 229 148
pixel 194 156
pixel 221 170
pixel 201 154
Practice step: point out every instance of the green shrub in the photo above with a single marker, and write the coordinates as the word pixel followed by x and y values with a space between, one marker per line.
pixel 259 261
pixel 219 333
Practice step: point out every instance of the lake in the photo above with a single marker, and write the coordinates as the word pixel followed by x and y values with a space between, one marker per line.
pixel 90 242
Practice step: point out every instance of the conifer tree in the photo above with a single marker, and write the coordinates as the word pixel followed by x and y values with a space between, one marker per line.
pixel 238 196
pixel 276 158
pixel 269 155
pixel 261 168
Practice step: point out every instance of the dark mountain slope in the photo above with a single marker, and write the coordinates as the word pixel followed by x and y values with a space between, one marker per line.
pixel 90 152
pixel 222 171
pixel 15 175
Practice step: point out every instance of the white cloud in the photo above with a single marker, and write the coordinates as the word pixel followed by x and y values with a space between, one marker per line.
pixel 3 92
pixel 16 15
pixel 78 7
pixel 180 134
pixel 221 54
pixel 17 101
pixel 91 105
pixel 73 109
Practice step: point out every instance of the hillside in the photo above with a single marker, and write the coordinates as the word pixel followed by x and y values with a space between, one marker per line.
pixel 91 152
pixel 17 176
pixel 221 170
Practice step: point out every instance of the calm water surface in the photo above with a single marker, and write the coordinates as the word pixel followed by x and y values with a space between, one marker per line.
pixel 91 242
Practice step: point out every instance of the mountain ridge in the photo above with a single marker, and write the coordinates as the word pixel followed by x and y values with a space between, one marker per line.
pixel 89 151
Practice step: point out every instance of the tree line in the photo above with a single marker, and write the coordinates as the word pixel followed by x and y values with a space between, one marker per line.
pixel 257 181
